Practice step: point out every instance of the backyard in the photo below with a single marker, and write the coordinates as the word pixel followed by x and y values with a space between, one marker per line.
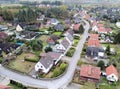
pixel 21 65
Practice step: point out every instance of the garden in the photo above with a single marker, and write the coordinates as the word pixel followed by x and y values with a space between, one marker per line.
pixel 56 71
pixel 70 52
pixel 23 65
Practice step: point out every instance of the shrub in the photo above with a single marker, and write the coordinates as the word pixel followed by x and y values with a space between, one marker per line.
pixel 101 64
pixel 70 52
pixel 31 59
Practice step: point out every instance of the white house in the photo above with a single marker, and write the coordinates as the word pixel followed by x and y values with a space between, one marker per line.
pixel 19 28
pixel 95 28
pixel 59 48
pixel 45 64
pixel 112 74
pixel 62 47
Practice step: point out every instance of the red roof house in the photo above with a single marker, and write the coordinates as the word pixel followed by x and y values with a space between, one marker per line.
pixel 94 36
pixel 3 35
pixel 52 39
pixel 93 43
pixel 89 72
pixel 112 74
pixel 76 27
pixel 5 87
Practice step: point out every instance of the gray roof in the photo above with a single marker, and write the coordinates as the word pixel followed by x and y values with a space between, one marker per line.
pixel 70 37
pixel 93 51
pixel 46 61
pixel 65 43
pixel 59 27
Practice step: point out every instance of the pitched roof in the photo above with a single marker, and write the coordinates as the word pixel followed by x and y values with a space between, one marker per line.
pixel 103 29
pixel 76 26
pixel 46 61
pixel 93 43
pixel 90 71
pixel 65 43
pixel 94 36
pixel 3 35
pixel 5 87
pixel 111 70
pixel 100 25
pixel 70 31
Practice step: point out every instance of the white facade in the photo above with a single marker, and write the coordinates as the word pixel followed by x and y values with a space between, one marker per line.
pixel 95 28
pixel 39 66
pixel 19 28
pixel 112 77
pixel 59 48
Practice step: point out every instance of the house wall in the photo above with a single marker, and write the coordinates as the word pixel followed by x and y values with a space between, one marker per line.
pixel 89 79
pixel 39 66
pixel 112 77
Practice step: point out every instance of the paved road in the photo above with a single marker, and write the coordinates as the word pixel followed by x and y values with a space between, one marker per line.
pixel 51 84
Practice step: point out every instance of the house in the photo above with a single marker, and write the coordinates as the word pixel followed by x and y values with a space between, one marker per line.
pixel 3 27
pixel 52 39
pixel 62 47
pixel 41 17
pixel 56 56
pixel 93 43
pixel 69 31
pixel 8 47
pixel 27 35
pixel 77 20
pixel 94 52
pixel 112 74
pixel 70 39
pixel 90 73
pixel 19 28
pixel 45 64
pixel 5 87
pixel 103 30
pixel 1 19
pixel 54 21
pixel 59 27
pixel 76 27
pixel 3 35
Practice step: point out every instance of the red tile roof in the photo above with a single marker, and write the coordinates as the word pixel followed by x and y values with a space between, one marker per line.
pixel 76 26
pixel 3 35
pixel 94 36
pixel 94 23
pixel 90 71
pixel 103 29
pixel 5 87
pixel 100 25
pixel 111 70
pixel 87 16
pixel 93 43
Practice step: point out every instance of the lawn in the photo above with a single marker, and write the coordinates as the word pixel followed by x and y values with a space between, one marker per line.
pixel 70 52
pixel 43 38
pixel 21 65
pixel 57 33
pixel 107 86
pixel 14 86
pixel 76 42
pixel 89 85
